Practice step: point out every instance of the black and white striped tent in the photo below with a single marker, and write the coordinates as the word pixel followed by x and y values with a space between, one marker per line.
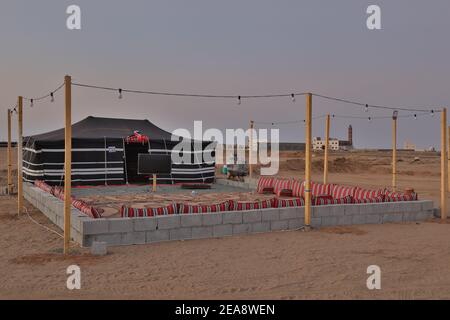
pixel 101 154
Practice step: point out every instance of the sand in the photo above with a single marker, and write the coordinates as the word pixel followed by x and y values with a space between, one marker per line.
pixel 329 263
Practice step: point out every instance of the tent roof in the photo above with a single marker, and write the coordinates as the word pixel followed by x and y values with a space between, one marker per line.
pixel 93 127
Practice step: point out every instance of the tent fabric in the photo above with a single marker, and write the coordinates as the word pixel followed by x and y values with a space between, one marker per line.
pixel 99 154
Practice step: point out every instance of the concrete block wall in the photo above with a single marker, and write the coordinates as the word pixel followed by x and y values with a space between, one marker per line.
pixel 128 231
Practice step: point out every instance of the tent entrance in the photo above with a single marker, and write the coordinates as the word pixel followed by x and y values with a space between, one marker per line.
pixel 131 153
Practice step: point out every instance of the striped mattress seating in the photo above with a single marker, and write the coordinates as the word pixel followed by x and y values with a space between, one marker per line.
pixel 127 212
pixel 287 203
pixel 282 186
pixel 184 208
pixel 399 196
pixel 265 184
pixel 322 200
pixel 368 196
pixel 86 209
pixel 344 200
pixel 250 205
pixel 43 186
pixel 298 188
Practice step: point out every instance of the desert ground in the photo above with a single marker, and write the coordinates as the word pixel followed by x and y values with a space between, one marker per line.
pixel 328 263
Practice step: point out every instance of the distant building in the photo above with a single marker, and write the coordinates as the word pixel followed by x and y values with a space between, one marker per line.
pixel 334 144
pixel 409 146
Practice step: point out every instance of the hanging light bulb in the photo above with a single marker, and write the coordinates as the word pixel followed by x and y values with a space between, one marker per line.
pixel 432 113
pixel 31 103
pixel 366 109
pixel 415 116
pixel 239 100
pixel 52 97
pixel 120 93
pixel 293 97
pixel 370 119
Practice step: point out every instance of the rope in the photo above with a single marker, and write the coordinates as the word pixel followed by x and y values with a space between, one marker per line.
pixel 41 225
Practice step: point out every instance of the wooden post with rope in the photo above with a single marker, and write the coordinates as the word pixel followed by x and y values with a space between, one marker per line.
pixel 448 160
pixel 394 151
pixel 9 159
pixel 67 162
pixel 308 132
pixel 327 146
pixel 444 169
pixel 19 156
pixel 250 150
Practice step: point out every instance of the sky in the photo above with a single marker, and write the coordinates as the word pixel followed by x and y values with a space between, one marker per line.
pixel 233 47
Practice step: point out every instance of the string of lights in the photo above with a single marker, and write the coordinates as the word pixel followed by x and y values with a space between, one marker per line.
pixel 51 95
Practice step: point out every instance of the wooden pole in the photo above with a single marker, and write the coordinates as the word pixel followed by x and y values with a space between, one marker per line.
pixel 327 143
pixel 67 162
pixel 308 132
pixel 250 150
pixel 394 154
pixel 448 160
pixel 19 156
pixel 154 183
pixel 444 177
pixel 9 159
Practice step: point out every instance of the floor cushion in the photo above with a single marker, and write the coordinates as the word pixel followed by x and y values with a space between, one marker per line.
pixel 281 185
pixel 344 200
pixel 362 194
pixel 184 208
pixel 322 200
pixel 286 203
pixel 265 184
pixel 339 191
pixel 399 196
pixel 250 205
pixel 127 212
pixel 298 188
pixel 369 200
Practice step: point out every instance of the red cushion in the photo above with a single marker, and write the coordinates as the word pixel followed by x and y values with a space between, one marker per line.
pixel 344 200
pixel 370 200
pixel 86 209
pixel 245 205
pixel 285 203
pixel 322 200
pixel 361 194
pixel 320 189
pixel 127 212
pixel 282 184
pixel 265 182
pixel 298 188
pixel 398 196
pixel 192 208
pixel 339 192
pixel 43 186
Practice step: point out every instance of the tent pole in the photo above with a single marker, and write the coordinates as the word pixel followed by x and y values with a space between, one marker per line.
pixel 327 142
pixel 19 157
pixel 9 154
pixel 444 168
pixel 308 160
pixel 125 161
pixel 250 150
pixel 67 162
pixel 106 164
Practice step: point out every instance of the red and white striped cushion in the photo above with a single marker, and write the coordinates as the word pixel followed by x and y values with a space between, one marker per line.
pixel 298 188
pixel 282 184
pixel 369 200
pixel 398 196
pixel 286 203
pixel 192 208
pixel 322 200
pixel 43 186
pixel 127 212
pixel 86 209
pixel 320 189
pixel 339 192
pixel 265 183
pixel 345 200
pixel 244 205
pixel 361 194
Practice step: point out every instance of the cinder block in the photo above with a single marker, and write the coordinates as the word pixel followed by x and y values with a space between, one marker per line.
pixel 344 220
pixel 135 237
pixel 251 216
pixel 145 224
pixel 329 221
pixel 120 225
pixel 316 222
pixel 94 226
pixel 413 206
pixel 270 214
pixel 222 230
pixel 424 215
pixel 374 219
pixel 392 217
pixel 191 220
pixel 322 211
pixel 277 225
pixel 426 205
pixel 168 222
pixel 202 232
pixel 157 236
pixel 209 219
pixel 359 219
pixel 113 239
pixel 290 213
pixel 99 248
pixel 241 228
pixel 180 233
pixel 260 227
pixel 232 217
pixel 295 224
pixel 409 216
pixel 351 210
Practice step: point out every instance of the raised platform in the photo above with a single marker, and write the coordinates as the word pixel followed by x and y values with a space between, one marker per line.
pixel 128 231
